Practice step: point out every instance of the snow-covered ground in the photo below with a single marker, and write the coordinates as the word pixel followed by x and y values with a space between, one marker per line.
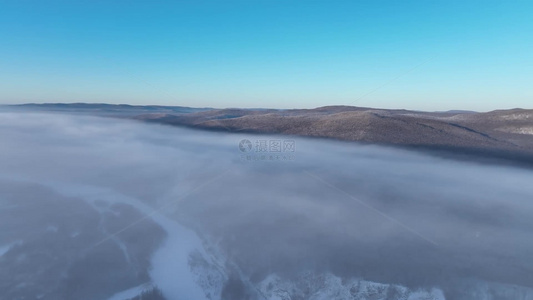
pixel 132 292
pixel 171 271
pixel 327 286
pixel 519 130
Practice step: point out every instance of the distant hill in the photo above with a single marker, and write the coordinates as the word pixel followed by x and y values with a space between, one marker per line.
pixel 105 109
pixel 505 129
pixel 501 132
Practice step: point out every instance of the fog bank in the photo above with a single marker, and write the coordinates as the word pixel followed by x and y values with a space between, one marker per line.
pixel 381 214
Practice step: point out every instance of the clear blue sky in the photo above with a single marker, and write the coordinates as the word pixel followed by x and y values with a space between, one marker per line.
pixel 427 55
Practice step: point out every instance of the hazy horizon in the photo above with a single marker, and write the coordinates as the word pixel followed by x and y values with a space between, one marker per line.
pixel 255 107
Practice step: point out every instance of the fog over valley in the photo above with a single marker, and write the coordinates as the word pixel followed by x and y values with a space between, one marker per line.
pixel 102 208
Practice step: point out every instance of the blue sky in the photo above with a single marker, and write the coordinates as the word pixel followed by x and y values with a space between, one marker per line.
pixel 426 55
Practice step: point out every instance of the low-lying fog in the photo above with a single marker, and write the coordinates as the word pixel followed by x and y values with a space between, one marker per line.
pixel 75 192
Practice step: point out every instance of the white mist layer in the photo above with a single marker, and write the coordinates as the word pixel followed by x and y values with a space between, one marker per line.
pixel 361 202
